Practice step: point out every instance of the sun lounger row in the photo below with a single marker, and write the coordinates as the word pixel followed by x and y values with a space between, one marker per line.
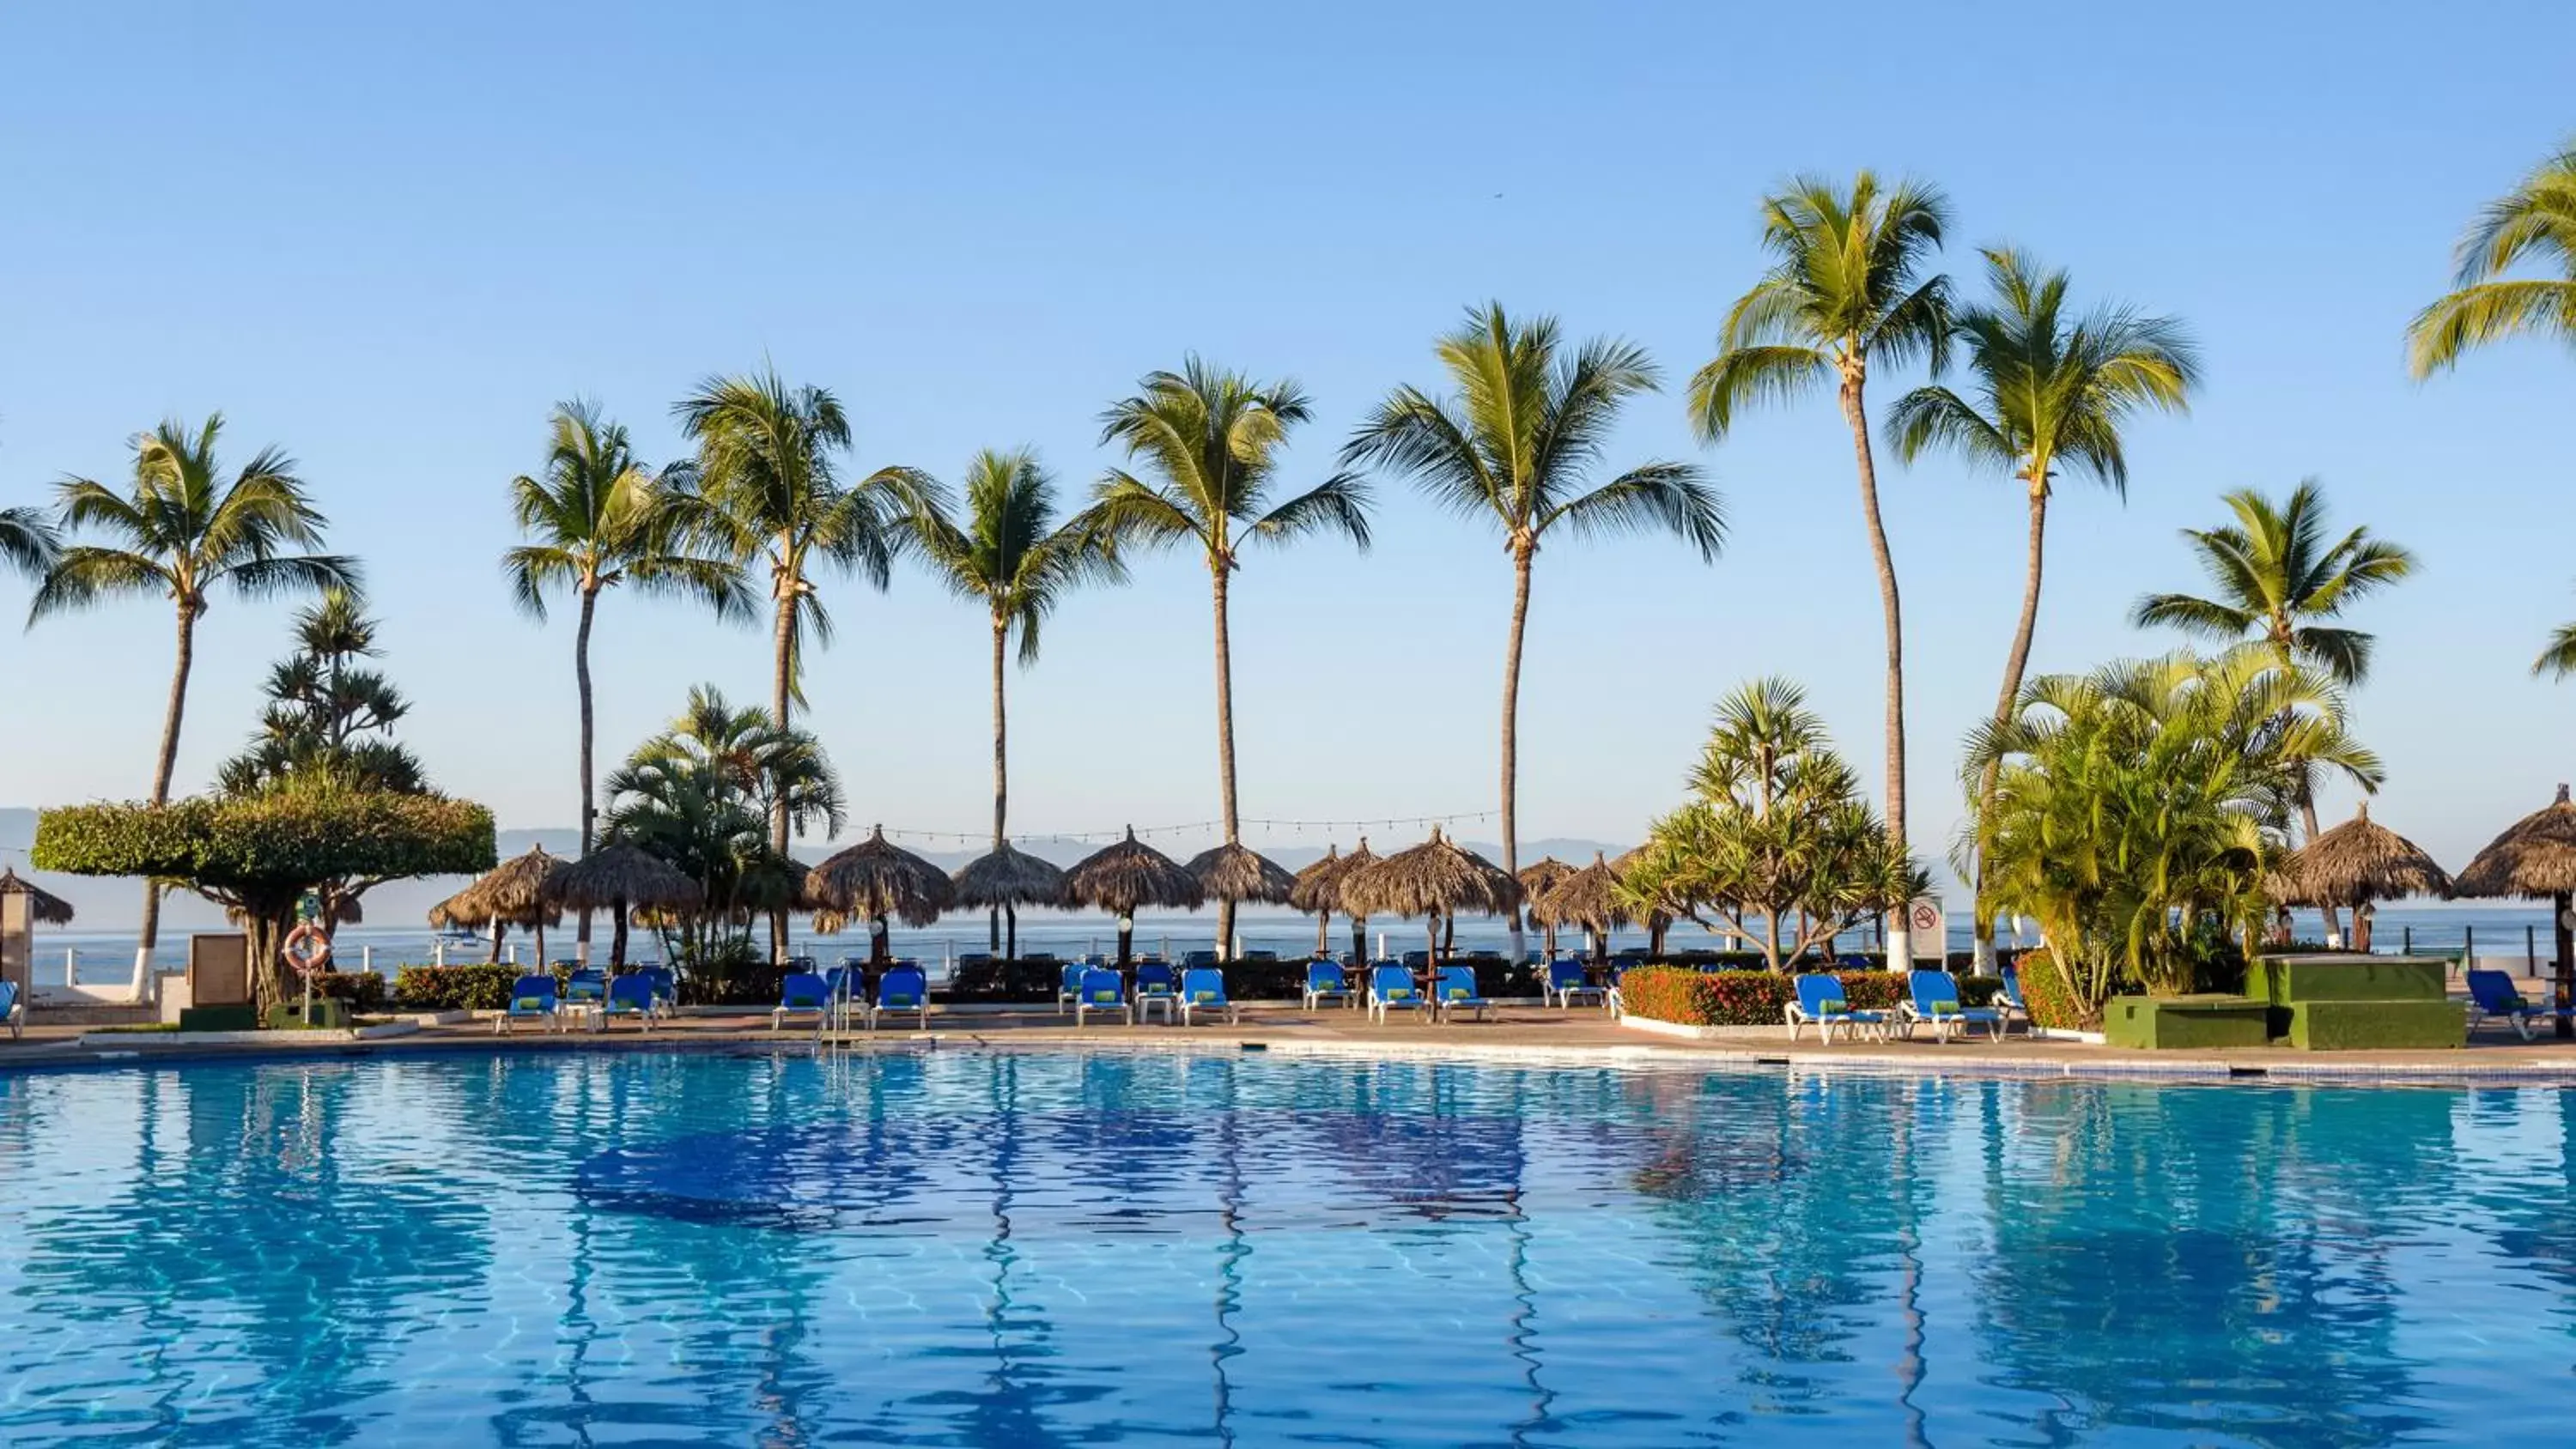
pixel 1932 999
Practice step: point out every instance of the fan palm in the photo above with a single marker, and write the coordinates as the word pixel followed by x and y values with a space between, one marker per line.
pixel 1518 445
pixel 1011 555
pixel 2534 222
pixel 2276 578
pixel 1211 439
pixel 185 533
pixel 598 518
pixel 768 466
pixel 1845 289
pixel 2051 392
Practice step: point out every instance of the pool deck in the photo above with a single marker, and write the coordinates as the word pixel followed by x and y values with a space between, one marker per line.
pixel 1522 1033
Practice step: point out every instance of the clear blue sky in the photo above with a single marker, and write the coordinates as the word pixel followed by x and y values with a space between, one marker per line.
pixel 390 241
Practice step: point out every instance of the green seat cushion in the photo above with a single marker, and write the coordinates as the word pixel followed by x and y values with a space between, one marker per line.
pixel 1834 1006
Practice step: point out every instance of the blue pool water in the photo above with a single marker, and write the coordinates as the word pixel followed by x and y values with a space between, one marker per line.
pixel 1030 1248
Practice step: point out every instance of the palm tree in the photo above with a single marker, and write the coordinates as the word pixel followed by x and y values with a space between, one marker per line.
pixel 185 533
pixel 2275 577
pixel 768 466
pixel 1211 439
pixel 1012 556
pixel 601 518
pixel 2052 392
pixel 2559 659
pixel 2534 222
pixel 27 542
pixel 1518 445
pixel 1845 288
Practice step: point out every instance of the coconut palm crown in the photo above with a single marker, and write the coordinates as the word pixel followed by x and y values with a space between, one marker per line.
pixel 2533 223
pixel 1210 440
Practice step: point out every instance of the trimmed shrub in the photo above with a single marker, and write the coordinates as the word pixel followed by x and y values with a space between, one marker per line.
pixel 480 987
pixel 364 991
pixel 1741 998
pixel 1005 981
pixel 1979 990
pixel 2051 1004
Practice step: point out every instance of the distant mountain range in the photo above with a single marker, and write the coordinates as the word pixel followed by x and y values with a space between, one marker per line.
pixel 110 904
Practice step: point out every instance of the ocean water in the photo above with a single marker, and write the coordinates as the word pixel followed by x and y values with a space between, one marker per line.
pixel 1006 1248
pixel 107 958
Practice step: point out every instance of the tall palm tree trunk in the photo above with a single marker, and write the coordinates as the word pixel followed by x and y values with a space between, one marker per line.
pixel 781 699
pixel 1359 940
pixel 2016 664
pixel 589 809
pixel 1522 548
pixel 161 771
pixel 1001 762
pixel 1900 941
pixel 1225 752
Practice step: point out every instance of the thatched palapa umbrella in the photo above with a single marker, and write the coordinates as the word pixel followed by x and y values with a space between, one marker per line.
pixel 2360 863
pixel 43 906
pixel 1126 877
pixel 1588 898
pixel 2537 857
pixel 512 892
pixel 461 909
pixel 1434 880
pixel 1235 874
pixel 875 879
pixel 1006 880
pixel 1537 879
pixel 1319 889
pixel 619 879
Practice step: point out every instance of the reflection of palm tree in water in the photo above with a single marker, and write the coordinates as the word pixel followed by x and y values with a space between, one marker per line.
pixel 1524 1335
pixel 1230 1255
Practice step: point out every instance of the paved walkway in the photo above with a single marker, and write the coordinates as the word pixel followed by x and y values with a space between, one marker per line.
pixel 1514 1033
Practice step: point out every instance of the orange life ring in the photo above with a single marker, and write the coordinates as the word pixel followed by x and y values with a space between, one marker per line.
pixel 307 949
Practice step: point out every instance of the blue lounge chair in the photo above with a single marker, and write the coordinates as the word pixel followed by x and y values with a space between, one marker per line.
pixel 2491 993
pixel 1157 985
pixel 1932 996
pixel 1417 960
pixel 901 989
pixel 1567 980
pixel 1821 1003
pixel 1068 985
pixel 666 990
pixel 1102 991
pixel 1324 983
pixel 13 1012
pixel 628 995
pixel 1203 989
pixel 1198 958
pixel 2008 1001
pixel 1456 992
pixel 532 998
pixel 802 993
pixel 1391 988
pixel 586 990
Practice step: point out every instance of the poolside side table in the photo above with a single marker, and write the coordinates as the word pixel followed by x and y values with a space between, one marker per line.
pixel 1147 1001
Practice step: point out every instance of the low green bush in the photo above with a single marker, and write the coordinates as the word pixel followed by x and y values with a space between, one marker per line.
pixel 364 991
pixel 1741 998
pixel 2051 1003
pixel 1980 990
pixel 481 987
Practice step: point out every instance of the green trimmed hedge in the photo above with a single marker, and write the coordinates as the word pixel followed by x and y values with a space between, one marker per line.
pixel 2051 1004
pixel 364 991
pixel 1741 998
pixel 480 987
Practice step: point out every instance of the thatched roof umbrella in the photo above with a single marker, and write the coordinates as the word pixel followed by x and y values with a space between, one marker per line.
pixel 875 879
pixel 1588 898
pixel 1006 880
pixel 43 905
pixel 513 891
pixel 2536 857
pixel 462 910
pixel 1434 880
pixel 1319 889
pixel 1129 875
pixel 618 879
pixel 1235 874
pixel 1537 879
pixel 2361 862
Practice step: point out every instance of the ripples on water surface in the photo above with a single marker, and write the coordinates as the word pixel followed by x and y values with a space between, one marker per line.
pixel 970 1248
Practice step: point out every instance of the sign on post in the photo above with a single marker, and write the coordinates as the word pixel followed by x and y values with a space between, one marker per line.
pixel 1927 928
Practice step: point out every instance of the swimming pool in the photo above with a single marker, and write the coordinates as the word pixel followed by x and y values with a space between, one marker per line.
pixel 1034 1248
